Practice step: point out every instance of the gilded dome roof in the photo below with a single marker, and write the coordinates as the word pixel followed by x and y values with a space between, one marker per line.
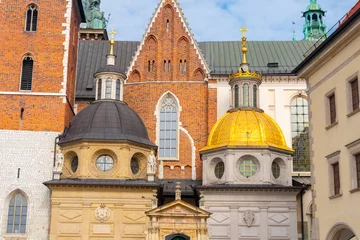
pixel 249 128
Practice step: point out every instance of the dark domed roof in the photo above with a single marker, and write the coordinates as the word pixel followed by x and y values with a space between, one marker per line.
pixel 109 69
pixel 107 120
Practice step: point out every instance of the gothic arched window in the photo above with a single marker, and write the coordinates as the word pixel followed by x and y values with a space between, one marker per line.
pixel 246 95
pixel 300 134
pixel 27 73
pixel 236 96
pixel 31 18
pixel 99 89
pixel 118 89
pixel 168 128
pixel 16 221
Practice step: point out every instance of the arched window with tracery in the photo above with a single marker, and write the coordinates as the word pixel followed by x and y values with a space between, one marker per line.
pixel 31 18
pixel 168 128
pixel 27 72
pixel 300 134
pixel 16 220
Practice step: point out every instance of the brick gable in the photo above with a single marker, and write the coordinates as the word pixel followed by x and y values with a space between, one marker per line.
pixel 168 51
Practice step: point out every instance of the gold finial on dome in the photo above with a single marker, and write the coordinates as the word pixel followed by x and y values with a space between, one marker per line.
pixel 244 49
pixel 112 41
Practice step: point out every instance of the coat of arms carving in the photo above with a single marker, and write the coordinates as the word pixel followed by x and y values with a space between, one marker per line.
pixel 102 213
pixel 249 218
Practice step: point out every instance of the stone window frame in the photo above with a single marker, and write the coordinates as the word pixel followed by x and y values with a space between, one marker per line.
pixel 6 212
pixel 27 57
pixel 157 114
pixel 31 27
pixel 349 97
pixel 282 179
pixel 353 149
pixel 241 177
pixel 332 159
pixel 329 125
pixel 97 172
pixel 211 170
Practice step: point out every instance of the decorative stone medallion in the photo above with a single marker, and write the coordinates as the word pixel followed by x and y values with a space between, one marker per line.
pixel 102 213
pixel 249 218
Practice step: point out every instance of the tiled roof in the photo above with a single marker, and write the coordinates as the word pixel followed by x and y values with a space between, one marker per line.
pixel 222 58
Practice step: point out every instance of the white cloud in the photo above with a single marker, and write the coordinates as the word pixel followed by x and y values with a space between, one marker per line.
pixel 220 20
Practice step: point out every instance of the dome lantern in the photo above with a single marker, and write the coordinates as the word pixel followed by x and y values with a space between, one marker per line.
pixel 109 80
pixel 245 84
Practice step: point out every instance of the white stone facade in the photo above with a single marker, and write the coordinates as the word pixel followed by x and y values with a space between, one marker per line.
pixel 26 160
pixel 261 215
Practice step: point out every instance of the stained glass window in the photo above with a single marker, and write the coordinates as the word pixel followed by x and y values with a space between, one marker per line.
pixel 300 134
pixel 168 129
pixel 248 168
pixel 219 170
pixel 17 214
pixel 236 96
pixel 246 95
pixel 105 163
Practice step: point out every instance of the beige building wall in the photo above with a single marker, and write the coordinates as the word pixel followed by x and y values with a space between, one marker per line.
pixel 330 72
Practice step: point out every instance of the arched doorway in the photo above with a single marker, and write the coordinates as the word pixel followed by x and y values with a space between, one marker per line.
pixel 177 237
pixel 341 231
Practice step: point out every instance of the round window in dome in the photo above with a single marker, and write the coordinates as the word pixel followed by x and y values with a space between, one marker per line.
pixel 105 163
pixel 275 170
pixel 74 164
pixel 219 170
pixel 248 168
pixel 134 164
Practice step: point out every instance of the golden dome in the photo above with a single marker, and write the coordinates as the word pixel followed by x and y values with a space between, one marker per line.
pixel 250 128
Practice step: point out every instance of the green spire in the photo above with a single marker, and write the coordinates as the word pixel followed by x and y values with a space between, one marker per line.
pixel 314 27
pixel 94 17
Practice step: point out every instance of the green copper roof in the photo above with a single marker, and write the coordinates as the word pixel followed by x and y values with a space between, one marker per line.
pixel 313 6
pixel 95 18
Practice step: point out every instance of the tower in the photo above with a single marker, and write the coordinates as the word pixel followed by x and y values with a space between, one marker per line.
pixel 37 94
pixel 314 27
pixel 247 168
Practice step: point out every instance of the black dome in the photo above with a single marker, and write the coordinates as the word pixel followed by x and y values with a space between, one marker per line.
pixel 107 120
pixel 109 69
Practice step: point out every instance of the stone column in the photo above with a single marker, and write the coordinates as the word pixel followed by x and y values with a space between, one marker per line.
pixel 234 222
pixel 293 223
pixel 263 221
pixel 86 211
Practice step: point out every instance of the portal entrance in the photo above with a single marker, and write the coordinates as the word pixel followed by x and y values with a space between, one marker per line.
pixel 177 237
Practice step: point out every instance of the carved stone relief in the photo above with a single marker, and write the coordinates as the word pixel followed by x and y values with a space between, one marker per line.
pixel 249 218
pixel 102 213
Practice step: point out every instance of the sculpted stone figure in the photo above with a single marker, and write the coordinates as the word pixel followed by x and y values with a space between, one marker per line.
pixel 59 161
pixel 94 16
pixel 151 167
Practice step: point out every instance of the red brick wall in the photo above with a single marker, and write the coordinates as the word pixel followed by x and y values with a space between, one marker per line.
pixel 167 43
pixel 47 49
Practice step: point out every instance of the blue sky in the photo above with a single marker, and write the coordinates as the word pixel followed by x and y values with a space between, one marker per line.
pixel 220 20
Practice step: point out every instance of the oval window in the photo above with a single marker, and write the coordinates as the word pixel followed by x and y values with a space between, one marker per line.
pixel 74 164
pixel 219 170
pixel 248 168
pixel 275 170
pixel 105 163
pixel 134 164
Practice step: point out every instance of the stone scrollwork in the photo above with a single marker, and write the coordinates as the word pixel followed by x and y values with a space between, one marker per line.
pixel 102 213
pixel 249 218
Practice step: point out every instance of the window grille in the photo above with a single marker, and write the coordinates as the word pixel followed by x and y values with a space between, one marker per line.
pixel 27 73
